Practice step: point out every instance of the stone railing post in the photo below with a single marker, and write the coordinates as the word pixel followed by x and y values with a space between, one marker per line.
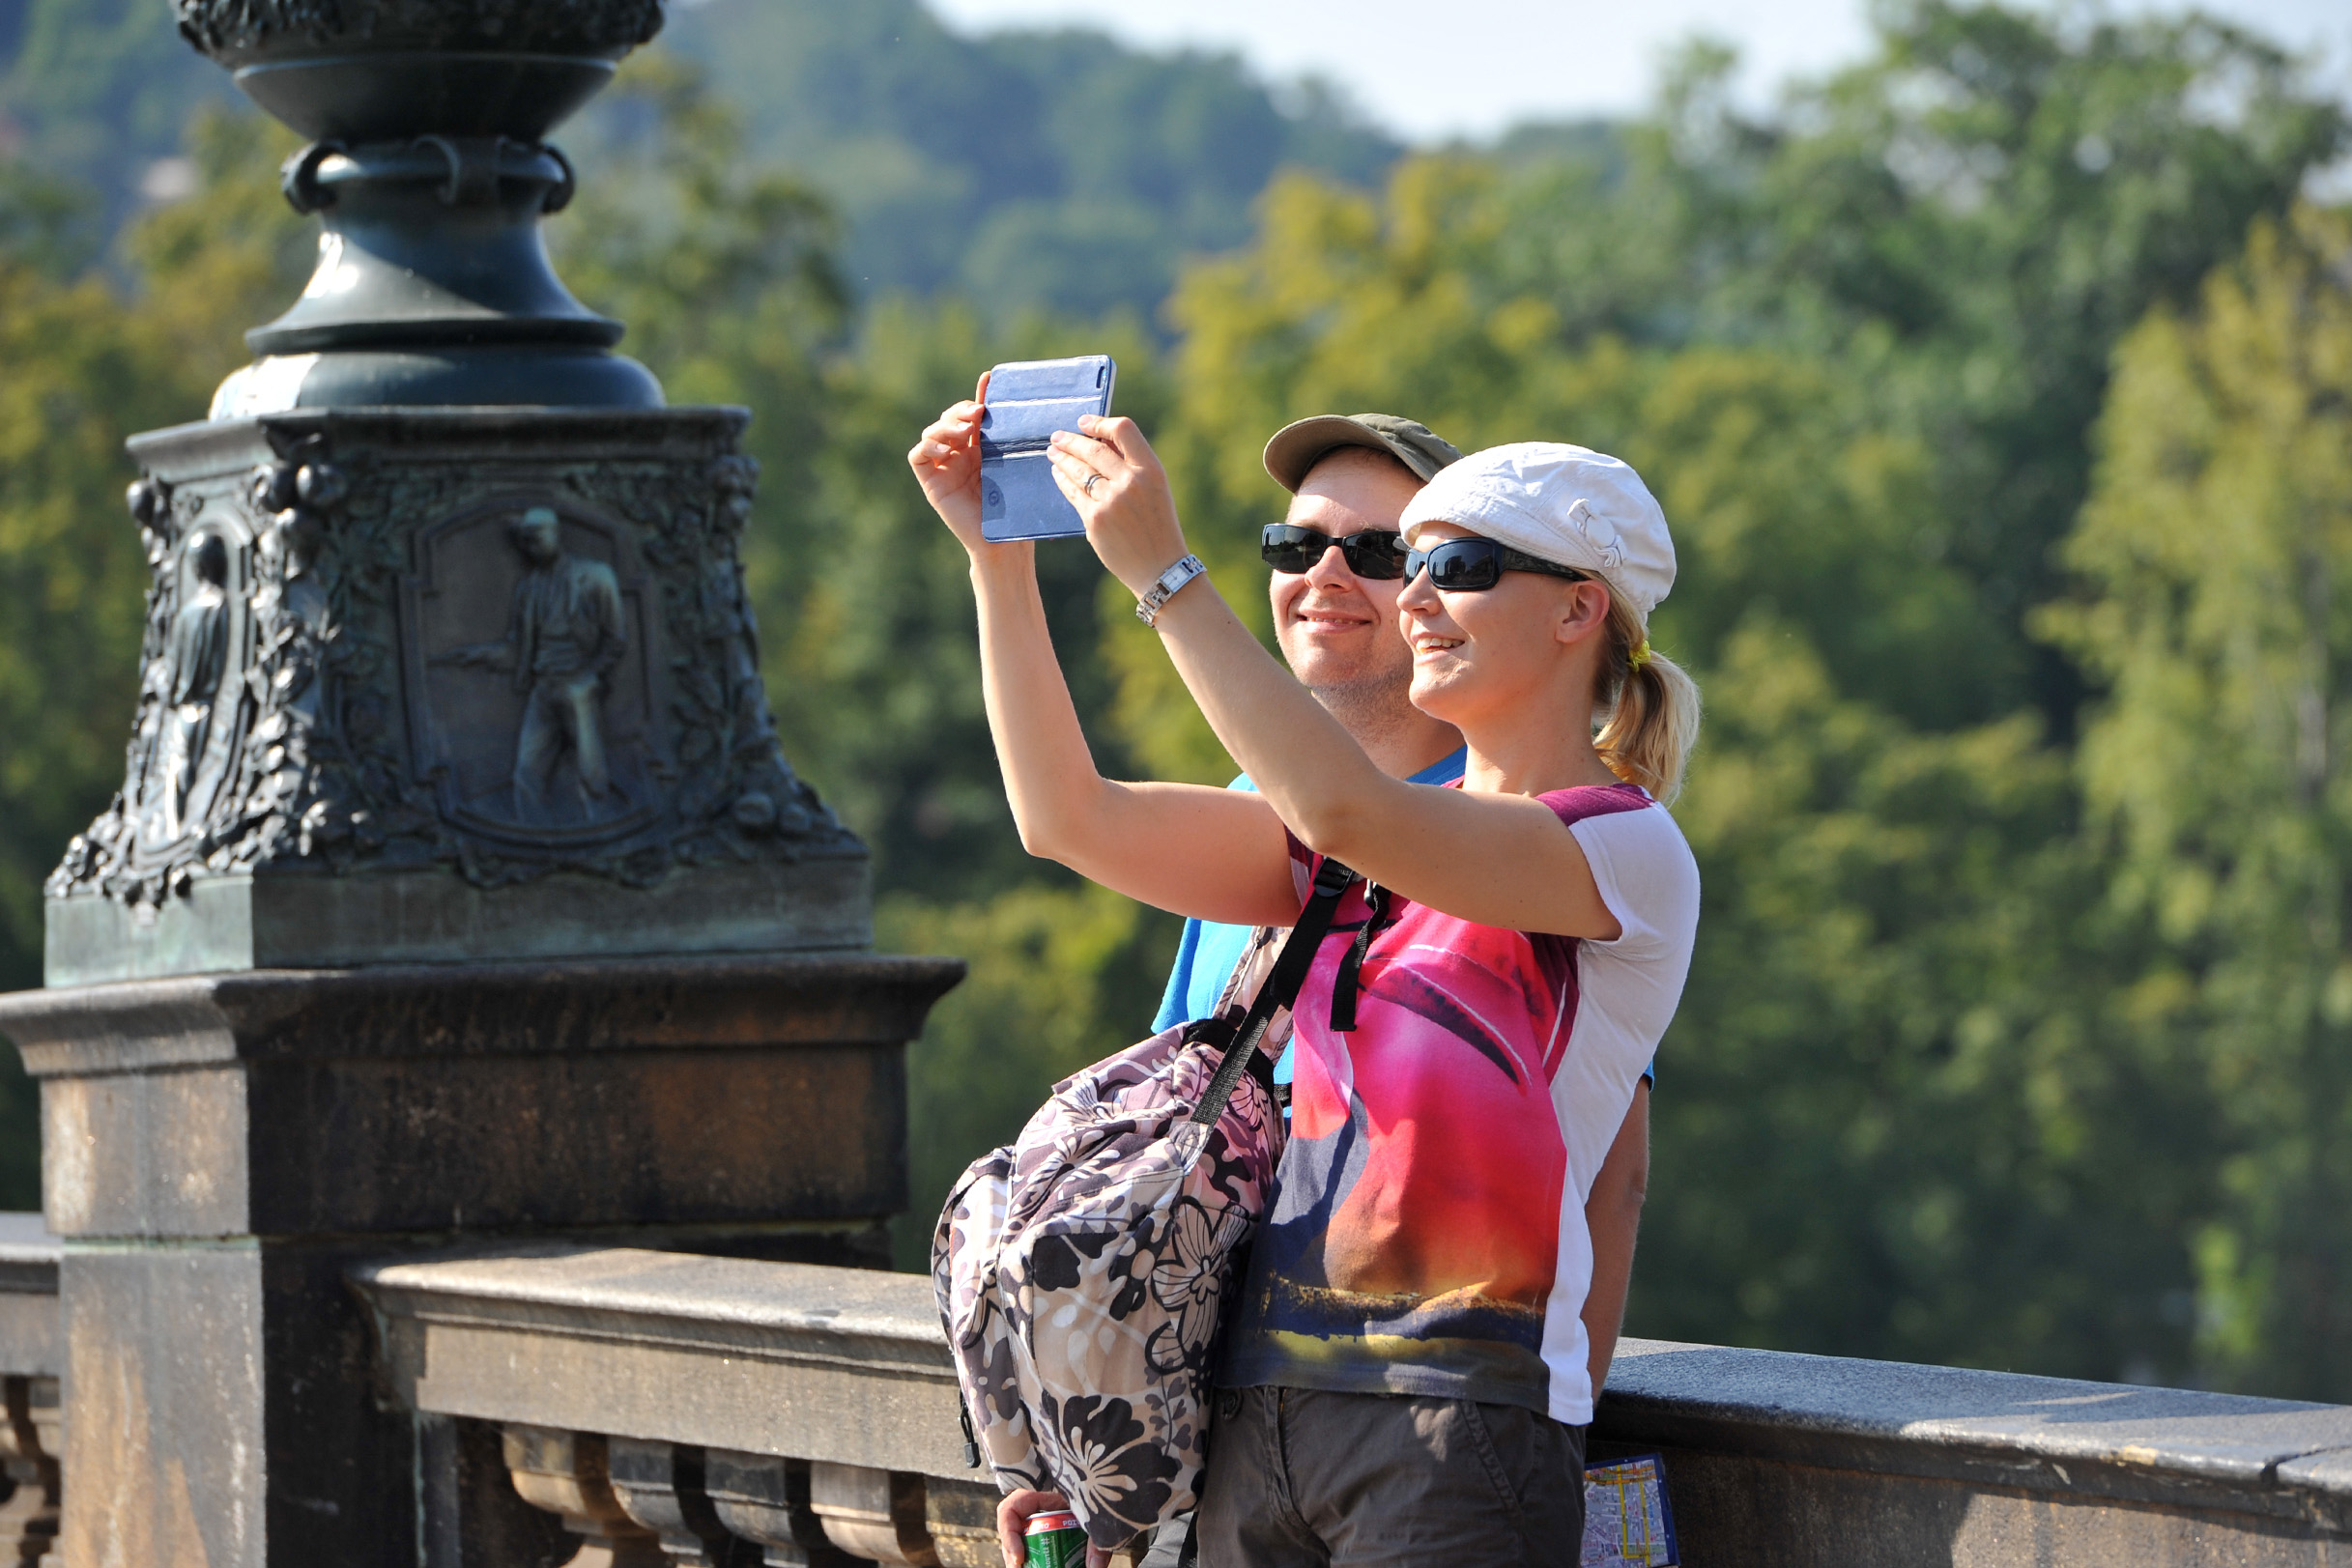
pixel 570 1473
pixel 30 1441
pixel 765 1501
pixel 32 1417
pixel 873 1514
pixel 458 887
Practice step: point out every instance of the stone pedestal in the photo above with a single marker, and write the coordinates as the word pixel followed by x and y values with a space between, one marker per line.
pixel 221 1149
pixel 458 889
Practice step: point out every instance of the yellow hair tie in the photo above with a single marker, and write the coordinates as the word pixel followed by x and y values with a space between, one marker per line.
pixel 1639 656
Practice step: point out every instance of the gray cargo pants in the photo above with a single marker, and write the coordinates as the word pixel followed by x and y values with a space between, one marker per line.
pixel 1299 1478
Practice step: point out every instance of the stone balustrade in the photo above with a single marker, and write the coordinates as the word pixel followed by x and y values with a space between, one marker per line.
pixel 1820 1461
pixel 677 1409
pixel 32 1359
pixel 666 1409
pixel 628 1408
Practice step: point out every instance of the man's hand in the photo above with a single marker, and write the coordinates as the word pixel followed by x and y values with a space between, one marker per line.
pixel 1013 1515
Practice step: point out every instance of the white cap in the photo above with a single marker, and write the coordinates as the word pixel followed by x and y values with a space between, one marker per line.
pixel 1565 504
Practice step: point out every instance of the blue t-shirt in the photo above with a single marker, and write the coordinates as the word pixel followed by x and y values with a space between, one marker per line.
pixel 1207 952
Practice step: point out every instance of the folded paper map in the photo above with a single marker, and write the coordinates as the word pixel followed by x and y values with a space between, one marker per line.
pixel 1628 1522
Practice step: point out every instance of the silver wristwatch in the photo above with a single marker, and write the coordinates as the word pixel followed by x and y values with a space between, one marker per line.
pixel 1147 607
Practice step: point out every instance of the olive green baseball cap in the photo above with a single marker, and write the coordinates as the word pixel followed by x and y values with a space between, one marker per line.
pixel 1298 446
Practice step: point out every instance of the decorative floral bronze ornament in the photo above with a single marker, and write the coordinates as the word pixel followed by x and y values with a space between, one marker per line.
pixel 230 27
pixel 305 697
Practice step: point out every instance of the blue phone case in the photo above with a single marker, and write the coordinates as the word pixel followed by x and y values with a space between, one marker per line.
pixel 1028 401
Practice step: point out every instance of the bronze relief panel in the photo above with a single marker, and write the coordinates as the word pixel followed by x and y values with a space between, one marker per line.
pixel 197 700
pixel 532 663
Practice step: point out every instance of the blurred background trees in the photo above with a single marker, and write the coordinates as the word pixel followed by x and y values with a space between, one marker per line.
pixel 1999 390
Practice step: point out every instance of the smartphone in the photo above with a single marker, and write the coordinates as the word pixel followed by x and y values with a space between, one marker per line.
pixel 1028 401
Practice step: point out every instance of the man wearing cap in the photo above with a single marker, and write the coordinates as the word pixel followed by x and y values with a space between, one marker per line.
pixel 1350 479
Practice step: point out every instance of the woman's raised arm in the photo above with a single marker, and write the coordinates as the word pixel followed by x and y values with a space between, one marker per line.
pixel 1498 859
pixel 1215 854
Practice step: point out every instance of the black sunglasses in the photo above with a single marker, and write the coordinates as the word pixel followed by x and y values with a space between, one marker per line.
pixel 1373 555
pixel 1473 565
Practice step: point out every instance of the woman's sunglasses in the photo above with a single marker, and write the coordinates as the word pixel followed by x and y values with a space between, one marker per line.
pixel 1475 565
pixel 1373 555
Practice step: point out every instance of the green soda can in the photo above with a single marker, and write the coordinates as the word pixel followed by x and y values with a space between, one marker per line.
pixel 1056 1541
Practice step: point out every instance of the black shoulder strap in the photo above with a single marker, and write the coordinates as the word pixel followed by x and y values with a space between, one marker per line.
pixel 1351 964
pixel 1281 988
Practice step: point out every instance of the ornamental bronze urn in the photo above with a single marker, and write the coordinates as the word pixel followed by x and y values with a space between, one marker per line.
pixel 447 654
pixel 429 167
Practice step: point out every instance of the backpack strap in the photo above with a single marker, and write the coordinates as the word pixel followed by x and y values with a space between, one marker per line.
pixel 1280 991
pixel 1351 966
pixel 1232 998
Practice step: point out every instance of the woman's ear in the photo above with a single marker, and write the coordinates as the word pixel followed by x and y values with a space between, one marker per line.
pixel 1584 611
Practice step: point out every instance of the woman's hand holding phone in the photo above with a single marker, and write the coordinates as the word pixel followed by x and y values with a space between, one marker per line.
pixel 1130 513
pixel 946 461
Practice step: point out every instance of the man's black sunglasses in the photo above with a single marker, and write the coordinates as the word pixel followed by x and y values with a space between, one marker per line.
pixel 1372 554
pixel 1473 565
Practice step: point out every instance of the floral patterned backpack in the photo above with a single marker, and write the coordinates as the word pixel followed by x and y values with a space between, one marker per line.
pixel 1080 1270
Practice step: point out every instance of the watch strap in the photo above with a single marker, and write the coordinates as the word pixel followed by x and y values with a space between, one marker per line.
pixel 1147 607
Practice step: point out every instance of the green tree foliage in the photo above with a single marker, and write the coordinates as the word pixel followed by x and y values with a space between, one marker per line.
pixel 1030 171
pixel 1922 1099
pixel 2213 550
pixel 96 91
pixel 1966 223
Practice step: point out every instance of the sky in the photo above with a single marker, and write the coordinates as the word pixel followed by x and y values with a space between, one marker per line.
pixel 1436 69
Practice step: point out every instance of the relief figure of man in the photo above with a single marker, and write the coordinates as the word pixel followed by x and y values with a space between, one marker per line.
pixel 566 635
pixel 195 658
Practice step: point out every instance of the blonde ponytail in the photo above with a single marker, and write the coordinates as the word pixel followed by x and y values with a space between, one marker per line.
pixel 1650 706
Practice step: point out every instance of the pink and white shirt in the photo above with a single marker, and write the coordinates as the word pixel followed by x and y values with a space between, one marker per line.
pixel 1427 1234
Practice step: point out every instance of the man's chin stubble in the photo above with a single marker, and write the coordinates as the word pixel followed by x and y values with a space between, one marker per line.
pixel 1371 707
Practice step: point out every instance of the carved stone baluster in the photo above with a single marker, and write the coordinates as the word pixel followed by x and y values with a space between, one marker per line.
pixel 29 1442
pixel 661 1486
pixel 962 1520
pixel 765 1499
pixel 569 1474
pixel 875 1514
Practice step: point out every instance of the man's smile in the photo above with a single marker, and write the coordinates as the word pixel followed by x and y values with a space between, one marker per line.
pixel 1326 621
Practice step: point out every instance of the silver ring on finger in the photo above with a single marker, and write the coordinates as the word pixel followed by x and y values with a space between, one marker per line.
pixel 1092 480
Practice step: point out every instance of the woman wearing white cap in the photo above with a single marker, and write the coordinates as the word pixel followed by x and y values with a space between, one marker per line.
pixel 1407 1374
